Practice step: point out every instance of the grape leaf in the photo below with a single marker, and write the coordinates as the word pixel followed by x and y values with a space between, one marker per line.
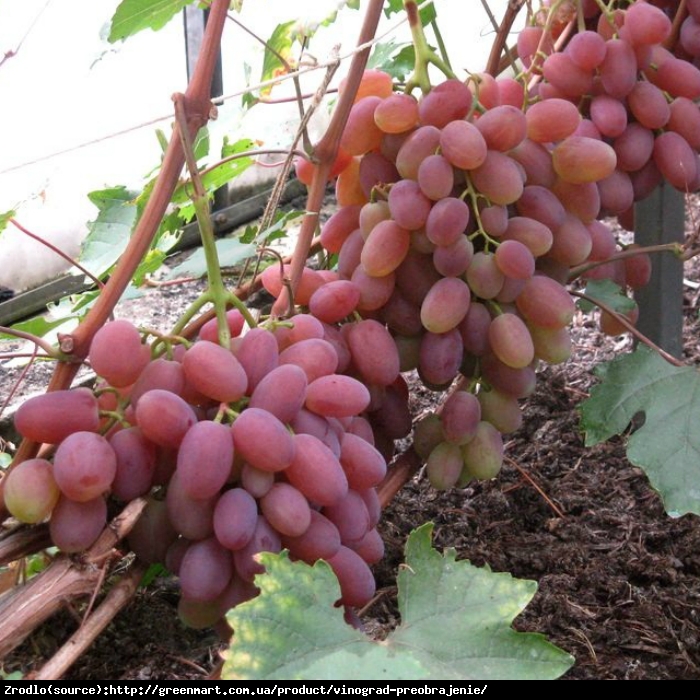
pixel 607 292
pixel 133 16
pixel 455 625
pixel 278 45
pixel 667 446
pixel 109 234
pixel 231 251
pixel 427 14
pixel 39 326
pixel 395 59
pixel 5 218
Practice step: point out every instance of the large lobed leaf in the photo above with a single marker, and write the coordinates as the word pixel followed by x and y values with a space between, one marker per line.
pixel 667 446
pixel 133 16
pixel 455 625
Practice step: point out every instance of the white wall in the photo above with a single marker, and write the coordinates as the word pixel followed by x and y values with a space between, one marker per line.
pixel 67 86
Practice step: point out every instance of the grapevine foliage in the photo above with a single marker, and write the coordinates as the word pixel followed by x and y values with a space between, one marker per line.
pixel 667 446
pixel 455 626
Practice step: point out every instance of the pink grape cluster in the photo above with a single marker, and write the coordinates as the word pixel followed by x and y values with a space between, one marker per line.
pixel 635 95
pixel 257 447
pixel 458 233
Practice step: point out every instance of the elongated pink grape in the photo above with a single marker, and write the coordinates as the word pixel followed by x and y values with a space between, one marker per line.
pixel 373 352
pixel 164 417
pixel 446 305
pixel 192 518
pixel 334 301
pixel 350 516
pixel 483 455
pixel 282 391
pixel 153 534
pixel 502 127
pixel 159 374
pixel 501 410
pixel 116 353
pixel 84 466
pixel 264 539
pixel 262 440
pixel 449 100
pixel 75 526
pixel 30 491
pixel 444 465
pixel 357 585
pixel 460 415
pixel 205 570
pixel 286 509
pixel 258 355
pixel 205 459
pixel 235 518
pixel 53 416
pixel 580 159
pixel 440 357
pixel 337 395
pixel 551 120
pixel 363 464
pixel 340 225
pixel 321 540
pixel 463 145
pixel 136 464
pixel 546 303
pixel 510 341
pixel 215 371
pixel 385 248
pixel 316 471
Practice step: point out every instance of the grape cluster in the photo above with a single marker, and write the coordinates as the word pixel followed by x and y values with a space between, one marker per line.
pixel 255 447
pixel 634 94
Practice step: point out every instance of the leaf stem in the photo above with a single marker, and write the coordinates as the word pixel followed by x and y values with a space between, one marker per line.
pixel 218 293
pixel 676 248
pixel 630 327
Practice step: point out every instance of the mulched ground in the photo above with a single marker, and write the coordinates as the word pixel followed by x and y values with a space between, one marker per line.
pixel 619 580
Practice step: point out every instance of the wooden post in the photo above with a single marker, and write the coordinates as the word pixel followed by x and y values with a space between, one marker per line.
pixel 660 219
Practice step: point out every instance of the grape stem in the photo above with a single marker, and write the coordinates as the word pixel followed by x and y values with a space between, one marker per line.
pixel 493 65
pixel 424 54
pixel 630 327
pixel 217 290
pixel 676 248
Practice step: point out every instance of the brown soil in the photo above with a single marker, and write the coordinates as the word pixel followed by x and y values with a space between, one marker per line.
pixel 619 580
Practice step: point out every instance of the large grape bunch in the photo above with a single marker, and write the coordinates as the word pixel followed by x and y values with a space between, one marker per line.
pixel 257 447
pixel 463 213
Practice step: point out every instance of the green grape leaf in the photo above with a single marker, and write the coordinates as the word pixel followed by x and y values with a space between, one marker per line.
pixel 39 326
pixel 231 252
pixel 278 45
pixel 395 59
pixel 133 16
pixel 109 234
pixel 150 263
pixel 607 292
pixel 427 14
pixel 667 445
pixel 455 625
pixel 200 147
pixel 277 230
pixel 5 218
pixel 217 176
